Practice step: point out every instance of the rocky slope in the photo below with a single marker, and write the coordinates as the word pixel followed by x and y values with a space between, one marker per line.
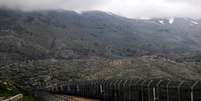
pixel 50 46
pixel 33 73
pixel 67 34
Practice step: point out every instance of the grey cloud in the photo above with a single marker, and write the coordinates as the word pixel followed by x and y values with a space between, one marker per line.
pixel 128 8
pixel 187 1
pixel 51 4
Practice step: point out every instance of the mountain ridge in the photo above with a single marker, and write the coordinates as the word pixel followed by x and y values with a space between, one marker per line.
pixel 57 29
pixel 96 45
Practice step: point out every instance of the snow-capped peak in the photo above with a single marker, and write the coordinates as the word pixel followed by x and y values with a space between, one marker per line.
pixel 171 20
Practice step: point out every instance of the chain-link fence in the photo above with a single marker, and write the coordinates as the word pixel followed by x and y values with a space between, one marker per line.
pixel 131 90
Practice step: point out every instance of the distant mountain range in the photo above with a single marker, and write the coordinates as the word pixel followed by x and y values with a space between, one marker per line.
pixel 68 35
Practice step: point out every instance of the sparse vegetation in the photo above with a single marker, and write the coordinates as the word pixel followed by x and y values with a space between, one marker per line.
pixel 50 46
pixel 8 89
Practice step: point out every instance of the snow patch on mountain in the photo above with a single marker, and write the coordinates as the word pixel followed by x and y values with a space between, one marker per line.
pixel 171 20
pixel 109 13
pixel 78 12
pixel 161 22
pixel 194 22
pixel 145 18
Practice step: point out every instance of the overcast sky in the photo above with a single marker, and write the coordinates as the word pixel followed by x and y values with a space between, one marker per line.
pixel 128 8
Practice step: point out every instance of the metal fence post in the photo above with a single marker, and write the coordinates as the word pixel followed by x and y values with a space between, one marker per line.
pixel 148 87
pixel 154 93
pixel 167 87
pixel 156 89
pixel 142 93
pixel 124 87
pixel 178 88
pixel 192 88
